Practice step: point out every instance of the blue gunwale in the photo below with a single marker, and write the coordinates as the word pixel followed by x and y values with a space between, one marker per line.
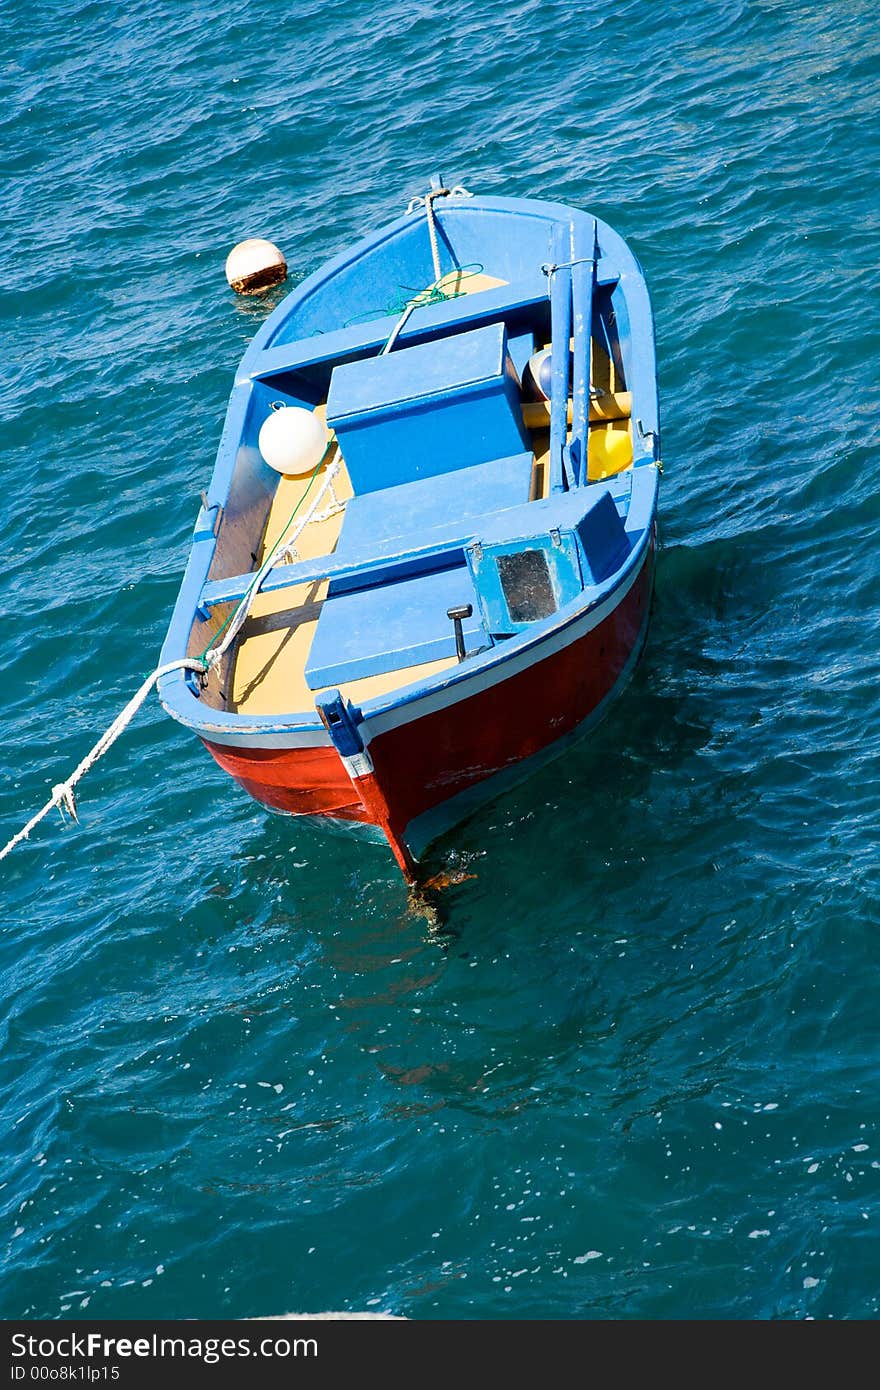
pixel 616 266
pixel 219 722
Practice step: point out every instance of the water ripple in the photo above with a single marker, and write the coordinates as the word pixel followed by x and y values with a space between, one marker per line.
pixel 630 1072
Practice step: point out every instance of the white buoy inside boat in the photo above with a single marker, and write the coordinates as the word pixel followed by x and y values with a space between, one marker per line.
pixel 292 440
pixel 255 265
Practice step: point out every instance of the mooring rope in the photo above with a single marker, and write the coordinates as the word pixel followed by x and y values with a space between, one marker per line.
pixel 432 294
pixel 426 200
pixel 435 291
pixel 432 226
pixel 64 793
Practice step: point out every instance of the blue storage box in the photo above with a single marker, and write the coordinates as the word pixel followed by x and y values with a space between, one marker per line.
pixel 425 410
pixel 530 561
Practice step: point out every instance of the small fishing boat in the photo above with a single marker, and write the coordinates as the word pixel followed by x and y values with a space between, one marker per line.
pixel 424 562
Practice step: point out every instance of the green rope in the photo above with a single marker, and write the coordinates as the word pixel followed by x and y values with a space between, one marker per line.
pixel 408 297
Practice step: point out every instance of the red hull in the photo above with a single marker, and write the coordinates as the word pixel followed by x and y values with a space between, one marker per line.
pixel 301 781
pixel 420 764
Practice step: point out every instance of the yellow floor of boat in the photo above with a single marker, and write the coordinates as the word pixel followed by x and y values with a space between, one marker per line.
pixel 268 676
pixel 465 281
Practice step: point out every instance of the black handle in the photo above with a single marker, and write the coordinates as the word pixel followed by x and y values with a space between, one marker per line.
pixel 457 615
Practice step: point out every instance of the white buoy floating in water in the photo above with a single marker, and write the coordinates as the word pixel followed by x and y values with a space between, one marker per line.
pixel 292 440
pixel 255 265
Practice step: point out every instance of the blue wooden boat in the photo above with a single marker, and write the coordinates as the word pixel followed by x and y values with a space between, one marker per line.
pixel 425 558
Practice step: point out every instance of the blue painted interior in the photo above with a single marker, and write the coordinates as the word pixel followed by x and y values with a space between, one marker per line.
pixel 401 553
pixel 426 410
pixel 602 539
pixel 521 345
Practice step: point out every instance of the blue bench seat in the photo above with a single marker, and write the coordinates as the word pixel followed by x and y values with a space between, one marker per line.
pixel 391 626
pixel 364 339
pixel 425 526
pixel 365 631
pixel 380 524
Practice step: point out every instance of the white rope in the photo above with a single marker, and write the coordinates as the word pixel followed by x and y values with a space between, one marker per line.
pixel 312 514
pixel 550 268
pixel 426 201
pixel 395 332
pixel 336 506
pixel 432 229
pixel 63 793
pixel 457 192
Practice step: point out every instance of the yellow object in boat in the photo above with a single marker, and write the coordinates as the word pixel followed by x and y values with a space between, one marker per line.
pixel 609 451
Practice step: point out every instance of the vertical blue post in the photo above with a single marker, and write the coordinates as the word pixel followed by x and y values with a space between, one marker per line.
pixel 583 279
pixel 560 336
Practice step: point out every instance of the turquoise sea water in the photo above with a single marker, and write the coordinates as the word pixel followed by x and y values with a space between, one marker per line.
pixel 635 1073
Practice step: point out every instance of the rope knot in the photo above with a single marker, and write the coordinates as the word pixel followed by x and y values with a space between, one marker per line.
pixel 425 199
pixel 64 796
